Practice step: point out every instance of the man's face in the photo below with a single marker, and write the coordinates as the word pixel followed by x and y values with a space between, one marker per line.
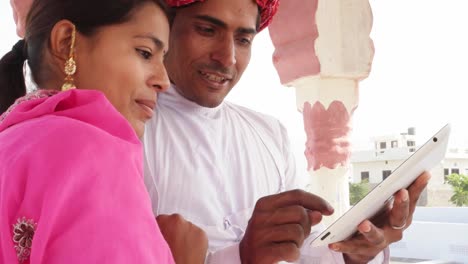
pixel 210 45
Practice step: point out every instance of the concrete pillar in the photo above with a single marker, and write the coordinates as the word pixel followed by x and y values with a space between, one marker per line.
pixel 323 50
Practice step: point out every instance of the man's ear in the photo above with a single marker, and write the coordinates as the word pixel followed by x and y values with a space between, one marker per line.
pixel 61 40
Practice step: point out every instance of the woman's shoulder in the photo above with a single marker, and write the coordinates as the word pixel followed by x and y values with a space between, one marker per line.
pixel 75 111
pixel 79 142
pixel 48 146
pixel 64 142
pixel 64 131
pixel 53 151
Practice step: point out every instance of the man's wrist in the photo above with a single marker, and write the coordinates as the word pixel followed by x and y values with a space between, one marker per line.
pixel 349 259
pixel 227 255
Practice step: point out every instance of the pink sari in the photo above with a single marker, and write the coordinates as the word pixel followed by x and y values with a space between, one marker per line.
pixel 71 184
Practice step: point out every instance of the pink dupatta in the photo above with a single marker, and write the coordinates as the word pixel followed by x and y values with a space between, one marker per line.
pixel 71 185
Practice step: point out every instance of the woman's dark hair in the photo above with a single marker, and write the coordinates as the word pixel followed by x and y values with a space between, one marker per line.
pixel 87 15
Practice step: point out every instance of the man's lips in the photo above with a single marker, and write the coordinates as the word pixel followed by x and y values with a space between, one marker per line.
pixel 215 77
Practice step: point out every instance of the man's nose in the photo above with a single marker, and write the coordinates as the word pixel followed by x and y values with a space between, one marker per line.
pixel 225 52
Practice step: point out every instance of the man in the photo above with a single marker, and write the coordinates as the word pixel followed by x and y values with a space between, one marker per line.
pixel 219 164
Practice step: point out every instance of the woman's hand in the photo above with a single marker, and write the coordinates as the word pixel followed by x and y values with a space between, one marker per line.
pixel 187 241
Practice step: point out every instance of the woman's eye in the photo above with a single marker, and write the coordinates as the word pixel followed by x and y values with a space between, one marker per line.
pixel 145 54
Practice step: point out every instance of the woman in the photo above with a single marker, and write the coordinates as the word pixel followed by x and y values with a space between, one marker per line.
pixel 71 184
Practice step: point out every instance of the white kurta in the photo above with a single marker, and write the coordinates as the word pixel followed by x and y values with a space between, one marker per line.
pixel 211 165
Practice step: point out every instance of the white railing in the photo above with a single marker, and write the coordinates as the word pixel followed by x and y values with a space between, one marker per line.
pixel 437 233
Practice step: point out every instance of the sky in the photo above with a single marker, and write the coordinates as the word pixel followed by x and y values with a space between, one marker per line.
pixel 418 77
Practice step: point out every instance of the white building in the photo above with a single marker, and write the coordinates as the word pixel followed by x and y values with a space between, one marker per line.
pixel 390 151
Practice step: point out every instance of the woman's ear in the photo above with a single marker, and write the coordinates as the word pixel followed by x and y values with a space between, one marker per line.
pixel 61 41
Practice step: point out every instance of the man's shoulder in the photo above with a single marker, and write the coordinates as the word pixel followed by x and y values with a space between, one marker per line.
pixel 251 113
pixel 258 119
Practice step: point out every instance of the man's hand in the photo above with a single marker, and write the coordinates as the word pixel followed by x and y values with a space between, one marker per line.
pixel 188 242
pixel 384 229
pixel 279 225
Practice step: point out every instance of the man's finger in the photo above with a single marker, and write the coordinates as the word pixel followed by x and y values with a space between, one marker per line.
pixel 356 245
pixel 294 233
pixel 416 188
pixel 295 197
pixel 370 241
pixel 374 235
pixel 400 211
pixel 284 252
pixel 294 214
pixel 314 217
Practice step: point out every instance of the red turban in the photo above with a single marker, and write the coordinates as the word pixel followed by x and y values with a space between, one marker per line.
pixel 268 9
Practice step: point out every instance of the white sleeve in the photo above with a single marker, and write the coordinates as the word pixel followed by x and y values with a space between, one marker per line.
pixel 228 255
pixel 293 179
pixel 325 255
pixel 149 149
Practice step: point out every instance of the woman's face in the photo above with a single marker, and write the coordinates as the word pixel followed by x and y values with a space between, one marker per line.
pixel 125 62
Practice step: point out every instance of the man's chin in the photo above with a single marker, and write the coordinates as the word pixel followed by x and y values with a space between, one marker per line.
pixel 211 102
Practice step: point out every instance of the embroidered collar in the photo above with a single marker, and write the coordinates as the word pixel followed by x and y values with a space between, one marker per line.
pixel 28 97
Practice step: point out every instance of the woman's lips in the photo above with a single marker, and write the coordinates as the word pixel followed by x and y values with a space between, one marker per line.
pixel 147 106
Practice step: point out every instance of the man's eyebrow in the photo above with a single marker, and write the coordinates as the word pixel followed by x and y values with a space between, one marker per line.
pixel 251 31
pixel 157 42
pixel 222 24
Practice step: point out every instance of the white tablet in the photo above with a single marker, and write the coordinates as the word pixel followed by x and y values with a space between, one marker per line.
pixel 424 159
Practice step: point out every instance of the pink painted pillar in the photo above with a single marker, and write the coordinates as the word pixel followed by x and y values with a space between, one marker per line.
pixel 20 11
pixel 323 49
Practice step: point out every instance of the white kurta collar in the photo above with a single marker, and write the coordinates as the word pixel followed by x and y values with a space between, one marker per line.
pixel 175 99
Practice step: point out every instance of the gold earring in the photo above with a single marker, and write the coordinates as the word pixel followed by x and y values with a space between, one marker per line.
pixel 70 65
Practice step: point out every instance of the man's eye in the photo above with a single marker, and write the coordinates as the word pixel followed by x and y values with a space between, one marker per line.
pixel 205 30
pixel 145 54
pixel 245 41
